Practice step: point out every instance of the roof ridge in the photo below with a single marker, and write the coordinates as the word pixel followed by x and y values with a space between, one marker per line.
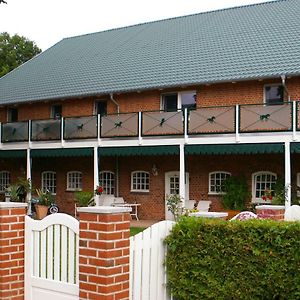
pixel 266 2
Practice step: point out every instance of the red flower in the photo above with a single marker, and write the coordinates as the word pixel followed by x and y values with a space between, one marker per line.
pixel 264 198
pixel 99 190
pixel 270 197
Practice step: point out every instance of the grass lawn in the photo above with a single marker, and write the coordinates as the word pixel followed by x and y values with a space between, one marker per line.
pixel 135 230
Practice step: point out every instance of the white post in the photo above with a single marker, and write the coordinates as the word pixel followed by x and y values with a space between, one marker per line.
pixel 98 128
pixel 28 176
pixel 287 156
pixel 294 120
pixel 62 131
pixel 96 171
pixel 186 126
pixel 140 128
pixel 182 174
pixel 237 123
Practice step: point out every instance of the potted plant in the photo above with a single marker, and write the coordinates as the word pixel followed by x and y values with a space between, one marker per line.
pixel 24 187
pixel 43 203
pixel 13 193
pixel 84 199
pixel 98 191
pixel 235 195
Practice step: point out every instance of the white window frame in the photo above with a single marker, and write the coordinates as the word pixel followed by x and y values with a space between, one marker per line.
pixel 45 188
pixel 254 181
pixel 4 181
pixel 109 184
pixel 210 192
pixel 74 177
pixel 143 175
pixel 179 95
pixel 271 84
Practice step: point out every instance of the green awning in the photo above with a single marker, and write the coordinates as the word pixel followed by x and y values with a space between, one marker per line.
pixel 12 153
pixel 138 150
pixel 66 152
pixel 234 149
pixel 295 147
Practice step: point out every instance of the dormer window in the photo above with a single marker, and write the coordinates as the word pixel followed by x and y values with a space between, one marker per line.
pixel 56 111
pixel 274 94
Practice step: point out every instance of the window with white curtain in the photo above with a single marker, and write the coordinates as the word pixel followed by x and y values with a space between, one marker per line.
pixel 49 182
pixel 140 181
pixel 107 181
pixel 4 180
pixel 74 181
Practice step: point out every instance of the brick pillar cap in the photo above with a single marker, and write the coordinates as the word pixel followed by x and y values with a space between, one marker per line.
pixel 273 207
pixel 103 209
pixel 13 205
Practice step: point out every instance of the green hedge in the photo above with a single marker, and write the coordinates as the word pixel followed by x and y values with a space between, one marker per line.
pixel 213 259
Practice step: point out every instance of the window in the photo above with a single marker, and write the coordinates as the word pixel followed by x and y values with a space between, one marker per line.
pixel 175 101
pixel 174 185
pixel 56 111
pixel 49 182
pixel 107 181
pixel 216 181
pixel 74 181
pixel 101 108
pixel 12 115
pixel 261 181
pixel 274 94
pixel 4 180
pixel 140 181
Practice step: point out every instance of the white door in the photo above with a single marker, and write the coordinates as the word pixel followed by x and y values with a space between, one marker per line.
pixel 172 188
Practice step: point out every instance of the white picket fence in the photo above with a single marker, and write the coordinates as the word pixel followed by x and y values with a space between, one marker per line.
pixel 147 254
pixel 51 258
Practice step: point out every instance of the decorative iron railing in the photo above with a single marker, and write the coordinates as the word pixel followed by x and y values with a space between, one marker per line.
pixel 80 128
pixel 212 120
pixel 119 125
pixel 261 117
pixel 45 130
pixel 14 132
pixel 162 123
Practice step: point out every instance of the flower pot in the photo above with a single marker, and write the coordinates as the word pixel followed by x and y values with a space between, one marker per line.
pixel 41 211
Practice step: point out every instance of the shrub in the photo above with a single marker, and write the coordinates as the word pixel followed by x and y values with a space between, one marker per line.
pixel 84 198
pixel 213 259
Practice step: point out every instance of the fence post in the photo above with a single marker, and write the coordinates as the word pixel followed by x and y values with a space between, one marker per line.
pixel 12 230
pixel 104 252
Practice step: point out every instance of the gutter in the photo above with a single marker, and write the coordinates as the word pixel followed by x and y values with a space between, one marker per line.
pixel 115 102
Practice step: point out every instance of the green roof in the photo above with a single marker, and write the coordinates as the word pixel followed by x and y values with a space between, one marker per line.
pixel 247 42
pixel 66 152
pixel 138 150
pixel 234 149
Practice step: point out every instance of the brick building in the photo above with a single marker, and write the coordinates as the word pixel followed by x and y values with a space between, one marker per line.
pixel 173 106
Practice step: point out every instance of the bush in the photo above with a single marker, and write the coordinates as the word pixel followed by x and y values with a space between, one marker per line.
pixel 213 259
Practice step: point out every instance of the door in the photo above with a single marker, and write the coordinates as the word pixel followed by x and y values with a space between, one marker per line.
pixel 172 188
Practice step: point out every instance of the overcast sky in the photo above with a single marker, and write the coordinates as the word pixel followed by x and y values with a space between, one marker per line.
pixel 48 21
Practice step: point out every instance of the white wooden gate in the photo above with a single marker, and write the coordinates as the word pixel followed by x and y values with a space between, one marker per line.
pixel 51 258
pixel 147 254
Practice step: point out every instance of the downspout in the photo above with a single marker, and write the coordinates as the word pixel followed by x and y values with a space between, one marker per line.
pixel 285 88
pixel 115 102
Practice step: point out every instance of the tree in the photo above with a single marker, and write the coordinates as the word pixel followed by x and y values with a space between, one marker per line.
pixel 14 51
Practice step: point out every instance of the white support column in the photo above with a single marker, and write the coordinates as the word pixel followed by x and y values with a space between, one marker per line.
pixel 186 126
pixel 98 128
pixel 140 128
pixel 182 174
pixel 28 176
pixel 237 123
pixel 62 131
pixel 294 120
pixel 96 169
pixel 287 165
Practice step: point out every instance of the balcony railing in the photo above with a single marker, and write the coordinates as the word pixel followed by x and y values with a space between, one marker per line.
pixel 45 130
pixel 237 119
pixel 80 128
pixel 14 132
pixel 120 125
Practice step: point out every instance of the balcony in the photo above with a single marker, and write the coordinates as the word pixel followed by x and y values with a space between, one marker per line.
pixel 206 121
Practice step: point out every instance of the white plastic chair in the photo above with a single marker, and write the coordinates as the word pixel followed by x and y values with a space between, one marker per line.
pixel 204 205
pixel 292 213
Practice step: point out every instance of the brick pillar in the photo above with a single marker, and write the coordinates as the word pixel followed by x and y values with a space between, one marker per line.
pixel 274 212
pixel 12 223
pixel 104 252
